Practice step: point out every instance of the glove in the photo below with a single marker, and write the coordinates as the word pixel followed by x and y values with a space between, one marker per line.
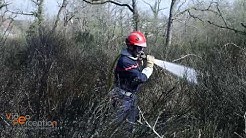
pixel 150 61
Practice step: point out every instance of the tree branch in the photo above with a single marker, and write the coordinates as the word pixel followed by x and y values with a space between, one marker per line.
pixel 232 44
pixel 6 32
pixel 155 8
pixel 110 1
pixel 245 122
pixel 151 127
pixel 238 135
pixel 35 2
pixel 185 57
pixel 220 14
pixel 217 25
pixel 3 5
pixel 23 13
pixel 6 121
pixel 180 6
pixel 227 27
pixel 63 6
pixel 243 25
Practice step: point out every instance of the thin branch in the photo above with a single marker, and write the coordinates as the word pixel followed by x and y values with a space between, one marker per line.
pixel 227 44
pixel 243 25
pixel 3 5
pixel 6 32
pixel 157 119
pixel 156 8
pixel 4 120
pixel 245 122
pixel 194 8
pixel 162 94
pixel 227 27
pixel 199 133
pixel 110 1
pixel 23 13
pixel 35 2
pixel 149 5
pixel 63 6
pixel 214 24
pixel 182 12
pixel 220 14
pixel 180 6
pixel 152 128
pixel 205 10
pixel 238 135
pixel 67 19
pixel 183 57
pixel 193 16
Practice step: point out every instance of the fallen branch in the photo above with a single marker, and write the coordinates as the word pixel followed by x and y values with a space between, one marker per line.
pixel 151 127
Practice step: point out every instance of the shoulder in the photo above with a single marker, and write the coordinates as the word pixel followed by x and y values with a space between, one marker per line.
pixel 125 60
pixel 125 63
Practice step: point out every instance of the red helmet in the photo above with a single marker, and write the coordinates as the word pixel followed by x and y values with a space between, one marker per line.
pixel 136 38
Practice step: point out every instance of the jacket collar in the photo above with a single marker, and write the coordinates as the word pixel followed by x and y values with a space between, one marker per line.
pixel 125 52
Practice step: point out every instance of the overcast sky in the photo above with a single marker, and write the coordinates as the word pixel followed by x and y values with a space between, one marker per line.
pixel 51 6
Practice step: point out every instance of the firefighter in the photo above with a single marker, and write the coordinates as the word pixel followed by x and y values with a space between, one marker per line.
pixel 129 75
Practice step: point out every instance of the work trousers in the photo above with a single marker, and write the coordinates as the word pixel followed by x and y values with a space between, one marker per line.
pixel 125 107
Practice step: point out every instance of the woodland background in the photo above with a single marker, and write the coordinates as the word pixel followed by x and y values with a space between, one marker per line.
pixel 60 68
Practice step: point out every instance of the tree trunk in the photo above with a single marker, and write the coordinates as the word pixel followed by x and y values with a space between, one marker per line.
pixel 40 13
pixel 135 15
pixel 169 25
pixel 63 6
pixel 132 8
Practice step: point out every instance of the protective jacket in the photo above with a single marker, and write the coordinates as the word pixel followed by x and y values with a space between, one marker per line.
pixel 128 73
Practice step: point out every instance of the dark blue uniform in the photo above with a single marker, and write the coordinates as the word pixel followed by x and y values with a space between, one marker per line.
pixel 128 73
pixel 128 78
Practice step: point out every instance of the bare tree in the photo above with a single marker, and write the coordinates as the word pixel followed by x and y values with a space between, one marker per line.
pixel 156 8
pixel 39 14
pixel 63 7
pixel 169 24
pixel 2 4
pixel 213 8
pixel 157 24
pixel 135 15
pixel 6 21
pixel 132 8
